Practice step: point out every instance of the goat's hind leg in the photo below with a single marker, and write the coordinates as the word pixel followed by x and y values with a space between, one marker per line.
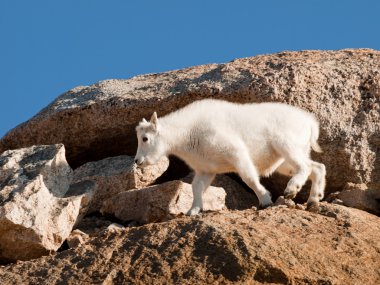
pixel 317 176
pixel 288 170
pixel 298 165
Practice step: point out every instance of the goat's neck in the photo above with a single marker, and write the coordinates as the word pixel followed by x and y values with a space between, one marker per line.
pixel 174 137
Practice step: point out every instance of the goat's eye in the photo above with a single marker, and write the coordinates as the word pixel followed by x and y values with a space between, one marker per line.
pixel 145 139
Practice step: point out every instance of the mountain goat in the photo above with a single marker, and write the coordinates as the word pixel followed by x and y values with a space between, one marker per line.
pixel 253 140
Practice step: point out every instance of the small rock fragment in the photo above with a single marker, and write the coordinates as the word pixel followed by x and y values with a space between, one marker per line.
pixel 337 201
pixel 289 203
pixel 281 206
pixel 115 227
pixel 332 196
pixel 300 207
pixel 77 238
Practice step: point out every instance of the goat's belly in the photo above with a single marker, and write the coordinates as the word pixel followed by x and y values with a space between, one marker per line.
pixel 267 164
pixel 211 166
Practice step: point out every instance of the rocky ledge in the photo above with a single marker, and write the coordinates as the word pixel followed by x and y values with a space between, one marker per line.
pixel 276 246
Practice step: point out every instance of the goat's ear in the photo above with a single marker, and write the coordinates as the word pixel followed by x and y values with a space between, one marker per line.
pixel 154 121
pixel 144 121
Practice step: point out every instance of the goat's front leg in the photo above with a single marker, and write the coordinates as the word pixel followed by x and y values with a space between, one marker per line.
pixel 200 183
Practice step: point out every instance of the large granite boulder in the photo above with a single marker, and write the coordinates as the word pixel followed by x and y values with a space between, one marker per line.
pixel 238 197
pixel 272 246
pixel 37 210
pixel 342 88
pixel 116 174
pixel 160 202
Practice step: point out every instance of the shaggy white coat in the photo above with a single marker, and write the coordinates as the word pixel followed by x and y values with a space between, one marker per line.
pixel 253 140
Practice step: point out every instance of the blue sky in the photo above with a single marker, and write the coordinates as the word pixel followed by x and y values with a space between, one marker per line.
pixel 48 47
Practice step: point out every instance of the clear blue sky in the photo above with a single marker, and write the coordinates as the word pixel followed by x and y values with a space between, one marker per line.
pixel 48 47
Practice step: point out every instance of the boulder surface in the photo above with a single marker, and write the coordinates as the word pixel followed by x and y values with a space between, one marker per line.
pixel 35 215
pixel 272 246
pixel 116 174
pixel 160 202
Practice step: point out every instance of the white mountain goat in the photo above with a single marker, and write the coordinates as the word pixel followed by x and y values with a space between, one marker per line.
pixel 253 140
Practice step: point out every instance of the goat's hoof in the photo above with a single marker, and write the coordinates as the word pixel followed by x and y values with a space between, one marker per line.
pixel 193 211
pixel 290 192
pixel 312 206
pixel 266 205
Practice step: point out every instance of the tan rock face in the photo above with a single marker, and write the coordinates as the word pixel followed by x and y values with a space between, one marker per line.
pixel 36 216
pixel 160 202
pixel 273 246
pixel 86 190
pixel 340 87
pixel 116 174
pixel 21 165
pixel 358 196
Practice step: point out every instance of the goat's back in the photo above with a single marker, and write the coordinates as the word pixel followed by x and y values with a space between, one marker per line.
pixel 242 118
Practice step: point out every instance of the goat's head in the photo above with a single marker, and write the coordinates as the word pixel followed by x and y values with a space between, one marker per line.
pixel 150 147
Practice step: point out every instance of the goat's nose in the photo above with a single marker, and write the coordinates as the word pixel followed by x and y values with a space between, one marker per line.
pixel 136 161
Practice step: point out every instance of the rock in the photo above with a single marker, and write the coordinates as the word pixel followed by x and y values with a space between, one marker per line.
pixel 358 196
pixel 114 227
pixel 340 87
pixel 300 207
pixel 116 174
pixel 22 165
pixel 36 216
pixel 281 201
pixel 147 176
pixel 337 201
pixel 332 196
pixel 93 225
pixel 160 202
pixel 86 189
pixel 271 246
pixel 77 238
pixel 238 197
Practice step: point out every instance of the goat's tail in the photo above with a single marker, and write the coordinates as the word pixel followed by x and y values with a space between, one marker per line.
pixel 314 136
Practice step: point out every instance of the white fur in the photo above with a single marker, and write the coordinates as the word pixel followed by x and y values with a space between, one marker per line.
pixel 253 140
